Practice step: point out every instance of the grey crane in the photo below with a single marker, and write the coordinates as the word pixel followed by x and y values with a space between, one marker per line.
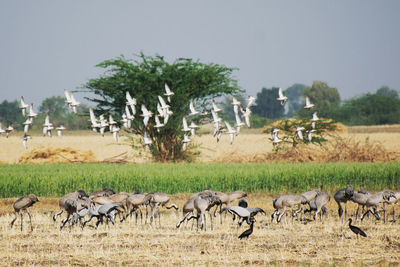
pixel 342 196
pixel 188 207
pixel 287 201
pixel 374 202
pixel 311 195
pixel 133 203
pixel 228 198
pixel 360 198
pixel 155 201
pixel 244 214
pixel 106 210
pixel 320 201
pixel 73 206
pixel 105 192
pixel 73 195
pixel 22 204
pixel 204 203
pixel 393 201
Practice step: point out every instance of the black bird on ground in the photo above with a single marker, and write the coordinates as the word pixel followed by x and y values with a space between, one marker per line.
pixel 249 231
pixel 356 230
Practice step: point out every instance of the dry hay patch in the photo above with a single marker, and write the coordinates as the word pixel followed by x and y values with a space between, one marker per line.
pixel 57 155
pixel 337 149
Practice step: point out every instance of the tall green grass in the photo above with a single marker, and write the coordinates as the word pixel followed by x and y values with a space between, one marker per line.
pixel 54 180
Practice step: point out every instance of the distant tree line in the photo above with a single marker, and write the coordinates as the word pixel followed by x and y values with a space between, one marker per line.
pixel 381 107
pixel 54 106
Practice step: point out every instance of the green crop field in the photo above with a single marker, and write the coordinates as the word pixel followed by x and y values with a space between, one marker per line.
pixel 54 180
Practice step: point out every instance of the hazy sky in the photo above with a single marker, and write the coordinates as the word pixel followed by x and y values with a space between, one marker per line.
pixel 47 46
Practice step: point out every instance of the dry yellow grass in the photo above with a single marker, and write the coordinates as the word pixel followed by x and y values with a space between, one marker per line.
pixel 129 244
pixel 250 145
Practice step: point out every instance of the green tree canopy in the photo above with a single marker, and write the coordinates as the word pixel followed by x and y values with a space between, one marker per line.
pixel 266 104
pixel 10 113
pixel 386 91
pixel 295 101
pixel 369 109
pixel 144 78
pixel 55 106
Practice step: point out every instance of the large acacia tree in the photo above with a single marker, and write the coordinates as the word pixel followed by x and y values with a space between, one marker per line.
pixel 144 77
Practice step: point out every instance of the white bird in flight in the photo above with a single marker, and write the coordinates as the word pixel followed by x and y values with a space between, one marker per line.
pixel 146 114
pixel 246 115
pixel 124 120
pixel 239 122
pixel 158 124
pixel 112 123
pixel 215 107
pixel 26 124
pixel 9 129
pixel 103 124
pixel 250 101
pixel 185 141
pixel 114 130
pixel 25 140
pixel 274 133
pixel 31 113
pixel 276 140
pixel 235 102
pixel 308 103
pixel 131 102
pixel 147 141
pixel 60 129
pixel 281 97
pixel 230 131
pixel 193 127
pixel 93 120
pixel 129 117
pixel 23 106
pixel 314 120
pixel 193 111
pixel 68 97
pixel 160 110
pixel 74 104
pixel 168 92
pixel 309 135
pixel 47 126
pixel 299 132
pixel 185 125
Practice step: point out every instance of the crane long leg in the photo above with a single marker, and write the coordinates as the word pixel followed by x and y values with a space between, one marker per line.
pixel 358 207
pixel 159 215
pixel 211 221
pixel 22 216
pixel 13 221
pixel 30 219
pixel 57 214
pixel 65 221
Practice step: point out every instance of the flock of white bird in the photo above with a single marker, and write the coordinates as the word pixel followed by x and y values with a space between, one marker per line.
pixel 164 112
pixel 299 129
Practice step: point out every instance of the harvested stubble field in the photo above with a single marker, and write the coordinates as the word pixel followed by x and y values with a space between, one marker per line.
pixel 131 244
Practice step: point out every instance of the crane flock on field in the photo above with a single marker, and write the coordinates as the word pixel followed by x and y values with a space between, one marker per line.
pixel 161 118
pixel 105 206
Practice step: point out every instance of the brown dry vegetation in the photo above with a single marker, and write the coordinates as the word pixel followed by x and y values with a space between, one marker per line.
pixel 316 243
pixel 250 146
